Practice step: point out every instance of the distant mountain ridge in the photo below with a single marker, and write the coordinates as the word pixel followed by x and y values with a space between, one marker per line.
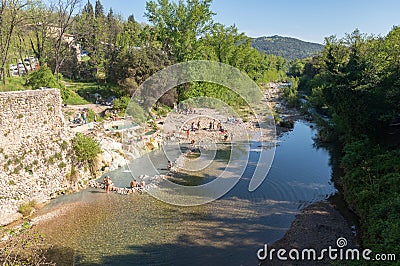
pixel 287 47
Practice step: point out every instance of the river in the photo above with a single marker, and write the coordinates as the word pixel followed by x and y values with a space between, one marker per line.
pixel 95 228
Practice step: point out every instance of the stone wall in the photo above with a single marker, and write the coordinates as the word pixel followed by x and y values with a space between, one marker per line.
pixel 35 149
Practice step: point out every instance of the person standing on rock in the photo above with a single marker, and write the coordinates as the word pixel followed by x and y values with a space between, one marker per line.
pixel 219 126
pixel 142 185
pixel 84 116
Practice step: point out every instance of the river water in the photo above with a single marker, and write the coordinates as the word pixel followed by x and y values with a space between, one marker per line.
pixel 95 228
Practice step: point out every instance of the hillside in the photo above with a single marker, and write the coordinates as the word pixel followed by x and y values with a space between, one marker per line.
pixel 288 48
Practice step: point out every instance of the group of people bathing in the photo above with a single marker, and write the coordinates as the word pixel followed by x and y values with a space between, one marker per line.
pixel 134 184
pixel 210 127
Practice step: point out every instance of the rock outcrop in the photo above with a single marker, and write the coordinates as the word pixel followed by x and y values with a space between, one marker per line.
pixel 35 150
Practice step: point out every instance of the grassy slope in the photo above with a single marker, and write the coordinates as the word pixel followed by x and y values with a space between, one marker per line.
pixel 14 84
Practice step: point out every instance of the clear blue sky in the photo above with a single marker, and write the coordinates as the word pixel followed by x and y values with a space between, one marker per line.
pixel 309 20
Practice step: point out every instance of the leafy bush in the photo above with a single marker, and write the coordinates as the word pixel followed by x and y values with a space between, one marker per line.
pixel 162 110
pixel 58 156
pixel 26 209
pixel 62 165
pixel 86 149
pixel 64 145
pixel 291 93
pixel 72 98
pixel 73 174
pixel 136 111
pixel 92 114
pixel 215 91
pixel 372 183
pixel 43 78
pixel 121 103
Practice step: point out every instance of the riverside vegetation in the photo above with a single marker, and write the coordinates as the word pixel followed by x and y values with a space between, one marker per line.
pixel 356 81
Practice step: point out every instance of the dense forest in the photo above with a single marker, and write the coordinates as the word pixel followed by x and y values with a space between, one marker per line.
pixel 92 44
pixel 286 47
pixel 356 81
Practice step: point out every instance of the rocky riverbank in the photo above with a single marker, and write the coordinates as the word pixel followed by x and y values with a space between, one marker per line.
pixel 318 226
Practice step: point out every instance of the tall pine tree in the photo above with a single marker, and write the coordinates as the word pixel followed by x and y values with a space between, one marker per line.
pixel 99 10
pixel 88 8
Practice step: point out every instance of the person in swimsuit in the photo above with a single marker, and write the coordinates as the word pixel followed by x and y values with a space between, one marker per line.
pixel 142 184
pixel 134 183
pixel 107 182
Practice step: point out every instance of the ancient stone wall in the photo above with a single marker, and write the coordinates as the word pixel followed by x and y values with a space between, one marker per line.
pixel 35 149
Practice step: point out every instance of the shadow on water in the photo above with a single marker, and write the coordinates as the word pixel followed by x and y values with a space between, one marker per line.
pixel 227 241
pixel 96 192
pixel 185 246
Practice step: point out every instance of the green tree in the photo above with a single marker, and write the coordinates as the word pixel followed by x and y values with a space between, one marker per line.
pixel 99 9
pixel 9 19
pixel 88 8
pixel 93 30
pixel 180 25
pixel 132 67
pixel 64 11
pixel 296 68
pixel 38 34
pixel 114 28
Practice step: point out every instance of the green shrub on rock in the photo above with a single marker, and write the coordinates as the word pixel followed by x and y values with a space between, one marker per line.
pixel 86 149
pixel 26 209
